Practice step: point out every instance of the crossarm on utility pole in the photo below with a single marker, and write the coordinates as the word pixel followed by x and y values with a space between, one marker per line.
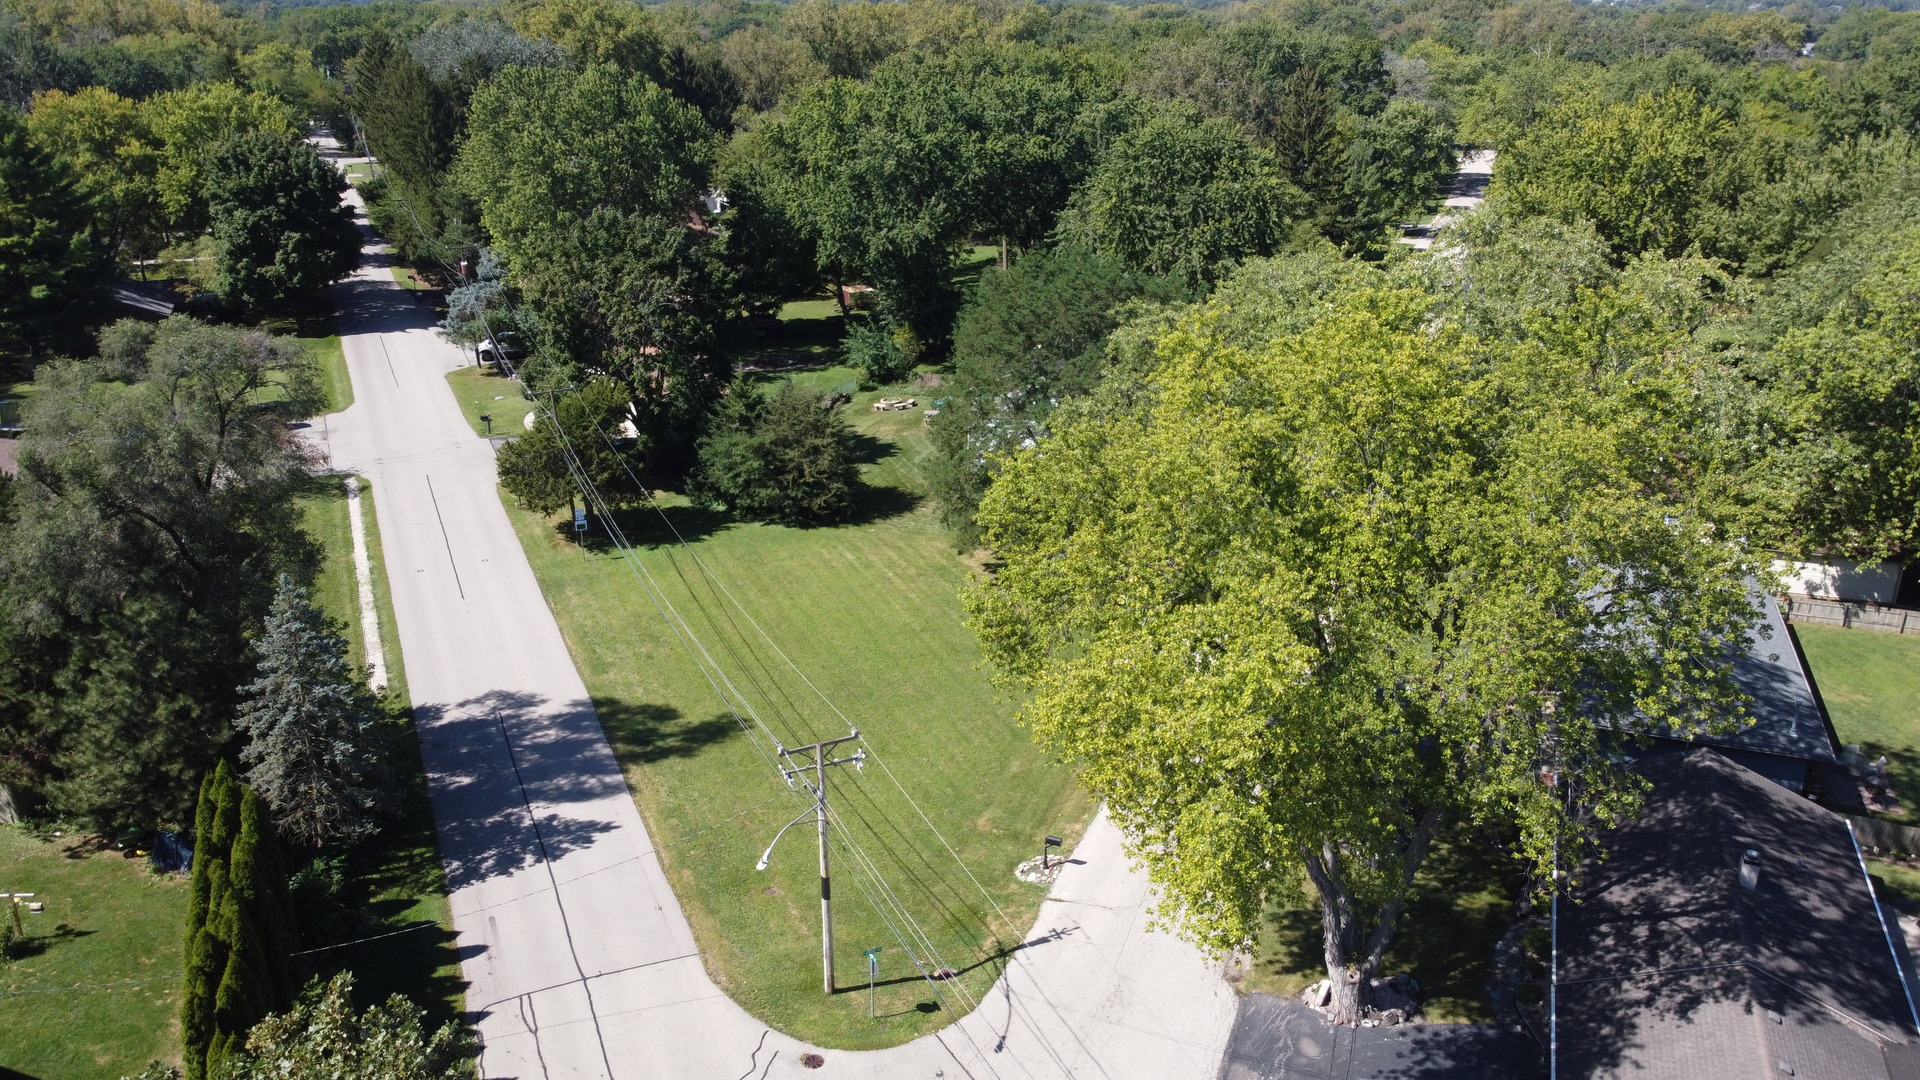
pixel 818 766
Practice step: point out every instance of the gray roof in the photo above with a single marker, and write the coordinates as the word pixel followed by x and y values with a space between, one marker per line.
pixel 1786 718
pixel 1278 1038
pixel 1669 968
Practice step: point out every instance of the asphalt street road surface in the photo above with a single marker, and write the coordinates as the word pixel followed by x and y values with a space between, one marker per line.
pixel 578 959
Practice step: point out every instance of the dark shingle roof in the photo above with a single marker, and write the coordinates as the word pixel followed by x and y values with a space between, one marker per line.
pixel 1669 968
pixel 1278 1038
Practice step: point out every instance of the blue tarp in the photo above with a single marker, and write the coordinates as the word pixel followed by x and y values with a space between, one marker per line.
pixel 170 853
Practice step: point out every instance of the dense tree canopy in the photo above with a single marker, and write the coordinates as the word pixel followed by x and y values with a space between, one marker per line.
pixel 783 458
pixel 49 255
pixel 279 227
pixel 152 513
pixel 589 184
pixel 1184 196
pixel 1207 590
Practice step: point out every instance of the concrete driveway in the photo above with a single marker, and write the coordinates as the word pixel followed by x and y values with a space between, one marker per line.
pixel 578 959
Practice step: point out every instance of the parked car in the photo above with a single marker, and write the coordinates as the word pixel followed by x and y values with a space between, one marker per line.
pixel 503 346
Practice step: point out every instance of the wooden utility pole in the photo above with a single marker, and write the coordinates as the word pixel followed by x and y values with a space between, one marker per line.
pixel 818 765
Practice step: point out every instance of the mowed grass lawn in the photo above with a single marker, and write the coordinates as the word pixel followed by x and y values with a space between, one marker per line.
pixel 482 393
pixel 108 920
pixel 1870 681
pixel 871 612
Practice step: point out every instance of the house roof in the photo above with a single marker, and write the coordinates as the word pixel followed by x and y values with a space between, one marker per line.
pixel 1277 1038
pixel 1669 967
pixel 1786 717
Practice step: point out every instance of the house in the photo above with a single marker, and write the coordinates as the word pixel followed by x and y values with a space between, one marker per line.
pixel 1731 932
pixel 1789 741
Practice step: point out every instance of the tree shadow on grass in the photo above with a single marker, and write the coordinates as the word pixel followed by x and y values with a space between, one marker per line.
pixel 868 450
pixel 38 944
pixel 1903 775
pixel 873 503
pixel 649 527
pixel 645 732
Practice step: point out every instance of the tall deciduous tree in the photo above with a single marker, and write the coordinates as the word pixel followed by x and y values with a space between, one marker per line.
pixel 889 178
pixel 103 137
pixel 1183 196
pixel 1643 172
pixel 186 124
pixel 589 183
pixel 279 226
pixel 49 253
pixel 1313 595
pixel 153 512
pixel 316 750
pixel 537 469
pixel 1840 399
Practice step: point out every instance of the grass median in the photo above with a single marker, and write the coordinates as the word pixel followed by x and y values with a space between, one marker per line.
pixel 870 611
pixel 395 879
pixel 482 393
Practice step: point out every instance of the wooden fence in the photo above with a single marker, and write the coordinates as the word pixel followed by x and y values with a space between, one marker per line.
pixel 1870 616
pixel 1884 835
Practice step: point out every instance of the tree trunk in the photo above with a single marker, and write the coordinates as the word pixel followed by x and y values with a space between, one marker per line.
pixel 1003 253
pixel 840 289
pixel 1352 964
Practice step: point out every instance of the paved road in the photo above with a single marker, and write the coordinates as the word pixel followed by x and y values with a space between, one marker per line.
pixel 1465 190
pixel 578 959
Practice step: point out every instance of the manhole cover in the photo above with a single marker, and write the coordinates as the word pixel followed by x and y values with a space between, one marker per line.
pixel 812 1061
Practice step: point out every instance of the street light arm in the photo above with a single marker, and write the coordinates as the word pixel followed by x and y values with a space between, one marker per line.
pixel 768 854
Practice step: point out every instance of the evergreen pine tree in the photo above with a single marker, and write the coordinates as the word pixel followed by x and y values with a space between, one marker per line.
pixel 260 893
pixel 216 824
pixel 316 751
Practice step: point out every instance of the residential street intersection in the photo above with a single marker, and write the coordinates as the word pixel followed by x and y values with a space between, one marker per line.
pixel 578 959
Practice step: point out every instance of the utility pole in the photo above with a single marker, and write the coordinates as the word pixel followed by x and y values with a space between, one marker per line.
pixel 798 757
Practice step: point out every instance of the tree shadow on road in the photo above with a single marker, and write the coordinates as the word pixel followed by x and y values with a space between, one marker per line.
pixel 505 767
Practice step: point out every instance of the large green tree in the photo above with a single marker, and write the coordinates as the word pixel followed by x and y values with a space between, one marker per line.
pixel 1184 196
pixel 583 431
pixel 1306 597
pixel 1644 172
pixel 104 139
pixel 49 252
pixel 889 178
pixel 782 458
pixel 1839 419
pixel 153 511
pixel 1029 338
pixel 279 226
pixel 589 182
